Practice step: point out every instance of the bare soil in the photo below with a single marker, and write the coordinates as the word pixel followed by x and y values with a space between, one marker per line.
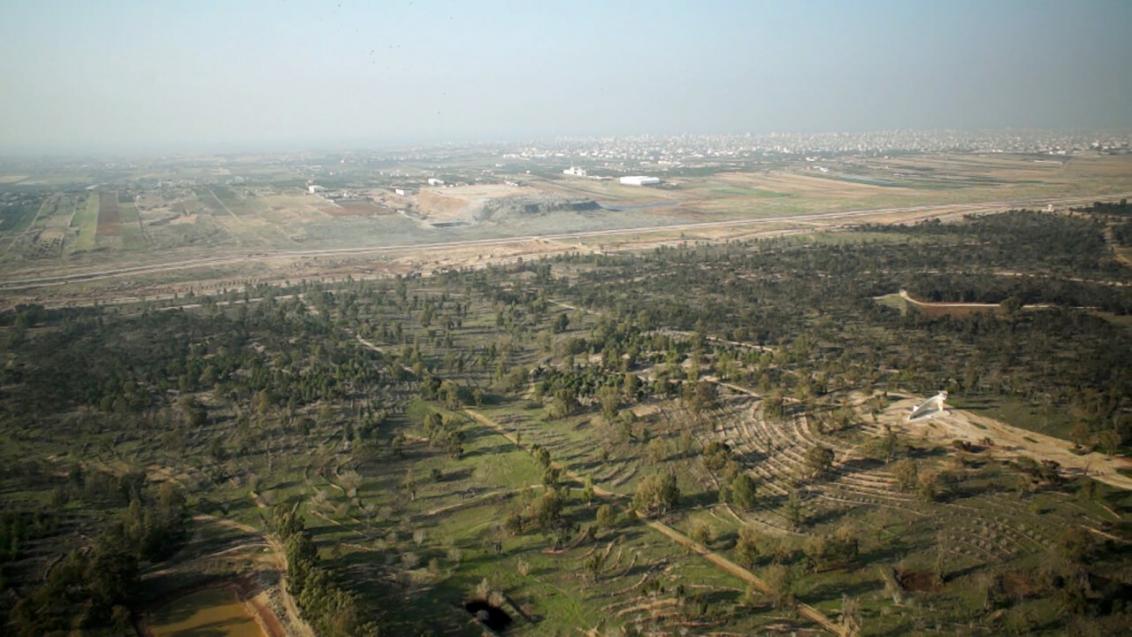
pixel 1009 441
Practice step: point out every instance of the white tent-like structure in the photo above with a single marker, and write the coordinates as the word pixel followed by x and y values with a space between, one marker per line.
pixel 930 407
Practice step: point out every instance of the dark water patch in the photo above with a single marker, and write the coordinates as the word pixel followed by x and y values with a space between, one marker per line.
pixel 493 617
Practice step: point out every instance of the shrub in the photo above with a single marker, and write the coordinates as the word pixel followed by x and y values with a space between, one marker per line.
pixel 657 494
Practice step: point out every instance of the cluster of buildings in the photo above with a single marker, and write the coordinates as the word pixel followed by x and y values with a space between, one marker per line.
pixel 623 154
pixel 335 195
pixel 628 180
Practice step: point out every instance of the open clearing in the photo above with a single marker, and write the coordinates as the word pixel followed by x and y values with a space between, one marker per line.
pixel 462 203
pixel 957 424
pixel 212 611
pixel 86 220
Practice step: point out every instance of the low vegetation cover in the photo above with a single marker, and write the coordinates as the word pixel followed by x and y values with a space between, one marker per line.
pixel 699 439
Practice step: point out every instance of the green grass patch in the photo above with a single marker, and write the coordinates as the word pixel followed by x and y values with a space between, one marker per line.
pixel 132 236
pixel 1012 411
pixel 18 217
pixel 86 220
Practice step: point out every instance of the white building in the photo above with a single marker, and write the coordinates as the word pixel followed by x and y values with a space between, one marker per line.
pixel 575 171
pixel 639 180
pixel 433 181
pixel 315 189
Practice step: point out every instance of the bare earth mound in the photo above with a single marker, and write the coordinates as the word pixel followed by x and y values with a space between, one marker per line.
pixel 463 203
pixel 956 424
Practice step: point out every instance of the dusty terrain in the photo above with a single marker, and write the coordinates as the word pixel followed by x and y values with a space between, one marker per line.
pixel 463 203
pixel 1009 441
pixel 161 275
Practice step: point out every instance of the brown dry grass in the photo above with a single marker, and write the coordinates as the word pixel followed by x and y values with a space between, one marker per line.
pixel 462 202
pixel 108 214
pixel 355 208
pixel 801 185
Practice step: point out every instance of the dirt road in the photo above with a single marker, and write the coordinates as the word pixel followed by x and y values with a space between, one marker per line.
pixel 67 276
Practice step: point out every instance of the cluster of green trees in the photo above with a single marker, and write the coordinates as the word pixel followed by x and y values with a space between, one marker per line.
pixel 736 486
pixel 1119 208
pixel 545 512
pixel 1123 233
pixel 444 433
pixel 814 302
pixel 832 550
pixel 276 349
pixel 542 512
pixel 657 494
pixel 576 385
pixel 95 585
pixel 17 527
pixel 331 610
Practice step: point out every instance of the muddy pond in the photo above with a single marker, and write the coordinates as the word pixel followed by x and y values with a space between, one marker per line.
pixel 211 612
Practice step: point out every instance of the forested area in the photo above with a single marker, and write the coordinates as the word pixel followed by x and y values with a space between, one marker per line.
pixel 1117 208
pixel 89 391
pixel 817 302
pixel 131 523
pixel 410 446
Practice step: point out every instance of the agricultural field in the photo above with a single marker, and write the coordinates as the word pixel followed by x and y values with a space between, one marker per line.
pixel 75 220
pixel 85 222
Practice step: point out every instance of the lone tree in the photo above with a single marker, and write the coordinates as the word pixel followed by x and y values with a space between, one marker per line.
pixel 1075 544
pixel 792 510
pixel 742 491
pixel 747 547
pixel 700 396
pixel 657 494
pixel 907 474
pixel 928 486
pixel 819 460
pixel 606 517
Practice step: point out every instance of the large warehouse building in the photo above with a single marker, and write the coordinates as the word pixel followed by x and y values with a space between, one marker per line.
pixel 639 180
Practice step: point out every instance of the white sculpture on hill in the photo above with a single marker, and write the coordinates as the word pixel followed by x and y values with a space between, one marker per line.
pixel 930 407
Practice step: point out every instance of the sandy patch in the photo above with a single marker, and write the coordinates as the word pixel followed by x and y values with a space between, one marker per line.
pixel 461 203
pixel 1009 441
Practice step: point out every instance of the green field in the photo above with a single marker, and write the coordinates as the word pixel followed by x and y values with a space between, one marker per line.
pixel 132 234
pixel 17 218
pixel 86 221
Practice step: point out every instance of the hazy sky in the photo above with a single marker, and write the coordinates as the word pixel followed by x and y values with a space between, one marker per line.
pixel 107 75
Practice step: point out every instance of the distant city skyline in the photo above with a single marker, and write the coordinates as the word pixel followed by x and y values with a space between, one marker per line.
pixel 86 77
